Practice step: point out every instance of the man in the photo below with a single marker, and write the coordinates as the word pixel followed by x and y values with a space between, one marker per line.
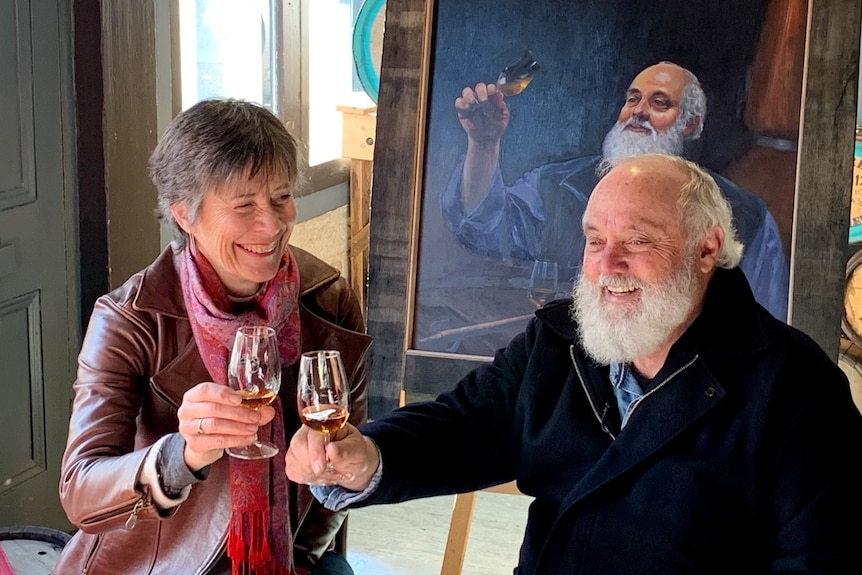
pixel 663 422
pixel 534 218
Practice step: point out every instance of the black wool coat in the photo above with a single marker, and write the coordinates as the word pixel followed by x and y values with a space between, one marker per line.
pixel 745 455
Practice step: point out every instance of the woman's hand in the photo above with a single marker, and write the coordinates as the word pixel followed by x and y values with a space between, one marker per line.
pixel 354 458
pixel 211 418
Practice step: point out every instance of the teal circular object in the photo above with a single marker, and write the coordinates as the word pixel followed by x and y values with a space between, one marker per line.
pixel 363 59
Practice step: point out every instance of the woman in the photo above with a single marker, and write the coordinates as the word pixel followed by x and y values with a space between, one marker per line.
pixel 145 477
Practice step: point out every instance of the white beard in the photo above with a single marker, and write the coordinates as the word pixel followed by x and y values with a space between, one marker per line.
pixel 620 143
pixel 616 334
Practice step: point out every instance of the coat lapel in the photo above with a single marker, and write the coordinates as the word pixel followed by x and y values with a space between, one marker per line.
pixel 664 415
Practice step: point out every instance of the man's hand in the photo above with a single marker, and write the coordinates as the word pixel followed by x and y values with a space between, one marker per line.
pixel 212 418
pixel 483 113
pixel 352 458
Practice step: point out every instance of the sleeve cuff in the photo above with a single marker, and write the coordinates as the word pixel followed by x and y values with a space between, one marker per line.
pixel 336 498
pixel 150 476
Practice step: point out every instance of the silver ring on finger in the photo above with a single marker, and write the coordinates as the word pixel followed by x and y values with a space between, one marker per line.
pixel 200 429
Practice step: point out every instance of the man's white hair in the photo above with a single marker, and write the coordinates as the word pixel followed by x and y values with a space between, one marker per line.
pixel 701 206
pixel 693 103
pixel 619 144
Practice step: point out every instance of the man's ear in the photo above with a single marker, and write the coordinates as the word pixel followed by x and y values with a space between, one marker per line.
pixel 692 128
pixel 710 249
pixel 181 215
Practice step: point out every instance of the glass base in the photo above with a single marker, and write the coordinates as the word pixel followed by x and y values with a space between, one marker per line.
pixel 255 450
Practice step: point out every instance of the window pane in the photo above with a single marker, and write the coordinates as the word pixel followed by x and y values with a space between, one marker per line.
pixel 227 50
pixel 332 81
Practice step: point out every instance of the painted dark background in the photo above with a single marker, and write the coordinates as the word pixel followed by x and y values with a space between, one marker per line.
pixel 588 51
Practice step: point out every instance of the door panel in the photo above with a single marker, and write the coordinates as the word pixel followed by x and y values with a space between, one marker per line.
pixel 38 258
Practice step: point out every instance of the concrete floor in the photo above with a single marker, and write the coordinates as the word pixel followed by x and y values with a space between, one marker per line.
pixel 409 538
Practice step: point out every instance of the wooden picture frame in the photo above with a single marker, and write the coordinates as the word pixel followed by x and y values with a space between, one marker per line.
pixel 820 206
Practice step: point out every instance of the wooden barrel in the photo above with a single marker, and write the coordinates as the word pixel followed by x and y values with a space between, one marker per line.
pixel 850 362
pixel 30 549
pixel 851 320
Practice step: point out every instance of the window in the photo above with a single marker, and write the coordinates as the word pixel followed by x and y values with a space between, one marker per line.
pixel 332 80
pixel 293 57
pixel 226 50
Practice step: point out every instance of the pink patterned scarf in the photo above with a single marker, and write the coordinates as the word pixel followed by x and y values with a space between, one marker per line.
pixel 260 540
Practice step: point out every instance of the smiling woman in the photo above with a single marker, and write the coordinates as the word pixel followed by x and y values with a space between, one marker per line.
pixel 242 228
pixel 225 171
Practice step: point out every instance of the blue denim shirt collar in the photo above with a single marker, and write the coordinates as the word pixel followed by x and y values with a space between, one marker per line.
pixel 627 390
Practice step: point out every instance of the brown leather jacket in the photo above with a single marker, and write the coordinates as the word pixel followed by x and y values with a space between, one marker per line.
pixel 137 360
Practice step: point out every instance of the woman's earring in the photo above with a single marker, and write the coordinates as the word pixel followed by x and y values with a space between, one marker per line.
pixel 192 247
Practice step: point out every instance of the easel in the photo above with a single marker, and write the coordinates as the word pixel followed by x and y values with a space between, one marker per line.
pixel 358 140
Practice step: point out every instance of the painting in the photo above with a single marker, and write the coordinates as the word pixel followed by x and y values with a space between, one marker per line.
pixel 476 255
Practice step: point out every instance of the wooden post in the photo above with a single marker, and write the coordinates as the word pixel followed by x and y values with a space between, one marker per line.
pixel 358 144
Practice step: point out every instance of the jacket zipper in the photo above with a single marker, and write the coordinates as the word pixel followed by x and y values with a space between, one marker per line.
pixel 140 504
pixel 144 501
pixel 600 417
pixel 136 508
pixel 131 521
pixel 92 554
pixel 662 384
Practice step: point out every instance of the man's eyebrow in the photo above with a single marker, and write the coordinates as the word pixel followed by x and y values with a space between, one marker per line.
pixel 662 94
pixel 642 225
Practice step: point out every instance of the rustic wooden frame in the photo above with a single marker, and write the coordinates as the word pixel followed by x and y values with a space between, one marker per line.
pixel 821 217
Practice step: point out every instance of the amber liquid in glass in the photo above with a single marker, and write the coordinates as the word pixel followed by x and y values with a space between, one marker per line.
pixel 515 87
pixel 517 75
pixel 253 399
pixel 325 418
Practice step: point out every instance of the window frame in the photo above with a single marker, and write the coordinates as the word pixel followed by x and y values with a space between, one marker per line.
pixel 291 56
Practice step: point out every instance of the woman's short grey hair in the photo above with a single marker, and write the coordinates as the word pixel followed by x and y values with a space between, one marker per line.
pixel 212 142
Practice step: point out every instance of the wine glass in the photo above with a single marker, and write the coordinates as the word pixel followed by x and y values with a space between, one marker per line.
pixel 254 370
pixel 323 393
pixel 517 75
pixel 511 81
pixel 543 282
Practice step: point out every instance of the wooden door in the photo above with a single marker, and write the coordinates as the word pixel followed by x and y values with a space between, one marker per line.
pixel 38 258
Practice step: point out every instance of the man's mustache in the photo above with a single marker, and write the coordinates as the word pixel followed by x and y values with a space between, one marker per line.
pixel 639 123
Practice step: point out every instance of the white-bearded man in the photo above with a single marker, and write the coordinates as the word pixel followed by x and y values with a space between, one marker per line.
pixel 706 437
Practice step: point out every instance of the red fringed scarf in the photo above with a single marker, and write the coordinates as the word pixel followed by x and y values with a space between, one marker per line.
pixel 260 541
